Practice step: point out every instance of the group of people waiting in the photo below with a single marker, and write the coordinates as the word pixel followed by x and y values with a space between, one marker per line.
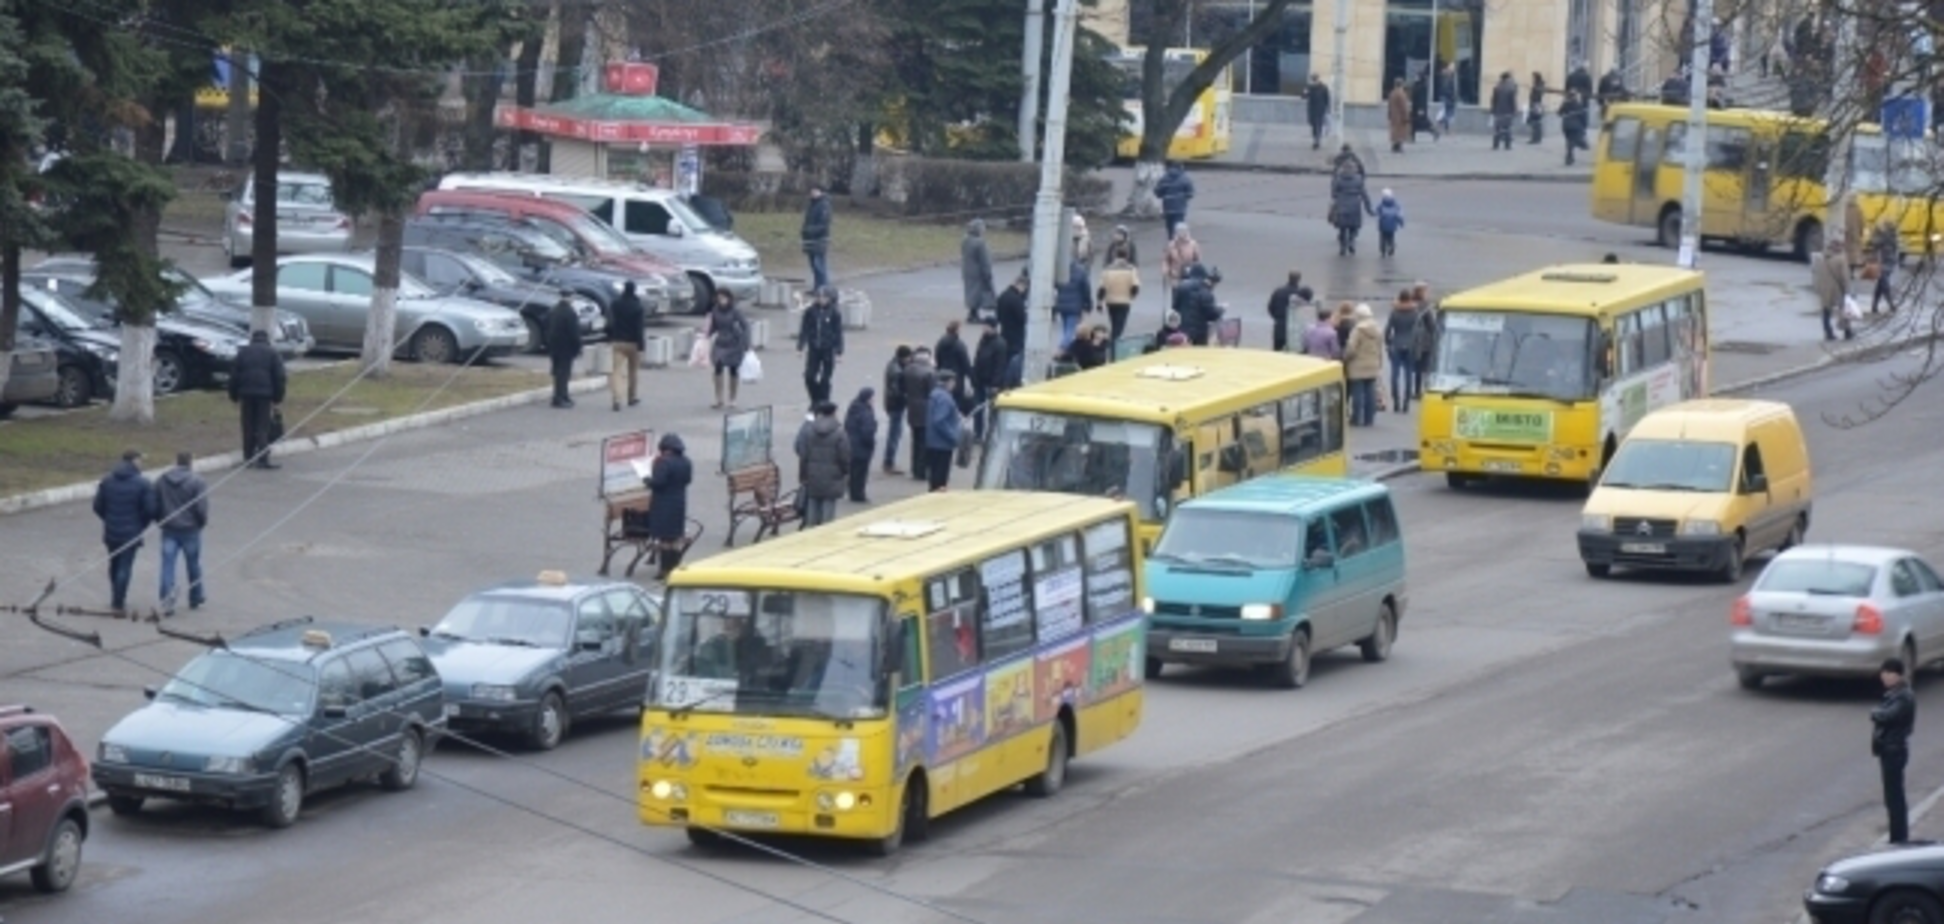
pixel 1349 333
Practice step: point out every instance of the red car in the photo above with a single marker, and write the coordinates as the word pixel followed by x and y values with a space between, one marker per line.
pixel 43 799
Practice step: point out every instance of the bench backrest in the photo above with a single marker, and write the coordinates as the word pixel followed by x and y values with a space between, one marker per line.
pixel 762 480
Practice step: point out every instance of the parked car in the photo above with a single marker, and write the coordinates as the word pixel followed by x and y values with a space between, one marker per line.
pixel 307 218
pixel 33 377
pixel 333 293
pixel 188 353
pixel 1901 883
pixel 43 799
pixel 654 219
pixel 87 356
pixel 529 253
pixel 290 337
pixel 1837 610
pixel 275 714
pixel 450 272
pixel 531 657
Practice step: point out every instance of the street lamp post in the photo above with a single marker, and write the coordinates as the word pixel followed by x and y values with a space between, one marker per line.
pixel 1047 226
pixel 1696 147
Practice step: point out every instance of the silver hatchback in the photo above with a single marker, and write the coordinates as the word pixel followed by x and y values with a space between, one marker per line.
pixel 1837 610
pixel 308 220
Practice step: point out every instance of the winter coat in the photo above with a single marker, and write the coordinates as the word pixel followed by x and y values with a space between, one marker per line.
pixel 1279 302
pixel 731 334
pixel 1194 301
pixel 1174 189
pixel 1580 81
pixel 1390 216
pixel 1348 200
pixel 125 505
pixel 919 377
pixel 1536 96
pixel 894 395
pixel 1086 354
pixel 951 355
pixel 1075 295
pixel 1181 254
pixel 1572 117
pixel 975 266
pixel 1891 720
pixel 258 372
pixel 1320 341
pixel 822 329
pixel 1400 329
pixel 989 362
pixel 1831 279
pixel 861 426
pixel 1363 357
pixel 1012 318
pixel 181 501
pixel 1505 99
pixel 1122 248
pixel 668 480
pixel 816 225
pixel 1447 88
pixel 1400 115
pixel 563 331
pixel 1317 97
pixel 825 459
pixel 627 322
pixel 943 425
pixel 1424 339
pixel 1120 283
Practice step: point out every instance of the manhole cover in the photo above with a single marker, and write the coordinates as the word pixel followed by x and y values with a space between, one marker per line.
pixel 1746 346
pixel 1389 456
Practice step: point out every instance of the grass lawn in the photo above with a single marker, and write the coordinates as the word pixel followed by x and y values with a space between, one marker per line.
pixel 81 445
pixel 862 243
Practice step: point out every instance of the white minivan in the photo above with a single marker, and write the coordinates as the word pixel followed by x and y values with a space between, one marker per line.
pixel 653 219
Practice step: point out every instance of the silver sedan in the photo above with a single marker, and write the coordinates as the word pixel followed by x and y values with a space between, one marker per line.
pixel 1837 610
pixel 333 294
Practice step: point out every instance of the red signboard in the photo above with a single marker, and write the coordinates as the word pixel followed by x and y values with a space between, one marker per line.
pixel 631 78
pixel 667 133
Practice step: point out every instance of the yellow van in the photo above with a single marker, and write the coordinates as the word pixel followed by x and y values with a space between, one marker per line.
pixel 1700 486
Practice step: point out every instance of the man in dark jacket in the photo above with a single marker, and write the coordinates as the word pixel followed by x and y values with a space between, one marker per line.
pixel 988 375
pixel 668 480
pixel 894 406
pixel 182 509
pixel 919 377
pixel 975 267
pixel 627 331
pixel 823 465
pixel 1194 302
pixel 1317 96
pixel 944 428
pixel 1012 315
pixel 820 339
pixel 1890 723
pixel 950 354
pixel 1174 189
pixel 1580 81
pixel 1572 123
pixel 860 428
pixel 563 347
pixel 1613 89
pixel 816 237
pixel 1279 311
pixel 257 384
pixel 125 504
pixel 1505 108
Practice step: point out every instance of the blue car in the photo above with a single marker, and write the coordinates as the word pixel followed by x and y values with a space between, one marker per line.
pixel 263 720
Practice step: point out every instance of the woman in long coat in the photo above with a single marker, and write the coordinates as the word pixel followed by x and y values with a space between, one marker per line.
pixel 668 482
pixel 1400 116
pixel 1349 202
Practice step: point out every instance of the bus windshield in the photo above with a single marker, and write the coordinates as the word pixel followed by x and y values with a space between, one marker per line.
pixel 1069 454
pixel 1174 70
pixel 772 652
pixel 1516 354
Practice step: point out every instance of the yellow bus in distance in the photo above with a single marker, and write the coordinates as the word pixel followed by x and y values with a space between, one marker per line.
pixel 1168 426
pixel 1204 133
pixel 1541 375
pixel 859 679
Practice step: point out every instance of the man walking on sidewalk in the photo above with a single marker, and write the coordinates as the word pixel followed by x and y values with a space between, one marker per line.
pixel 627 332
pixel 816 237
pixel 563 347
pixel 1890 743
pixel 257 384
pixel 894 406
pixel 182 510
pixel 125 504
pixel 1317 96
pixel 1505 108
pixel 820 339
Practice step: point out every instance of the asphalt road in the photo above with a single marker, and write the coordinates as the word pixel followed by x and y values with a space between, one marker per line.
pixel 1542 747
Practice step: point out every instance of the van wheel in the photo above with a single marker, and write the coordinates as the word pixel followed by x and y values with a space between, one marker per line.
pixel 911 802
pixel 1153 668
pixel 1594 569
pixel 125 806
pixel 403 770
pixel 704 293
pixel 287 799
pixel 1808 240
pixel 1294 670
pixel 1667 232
pixel 1748 677
pixel 1796 533
pixel 1050 780
pixel 1377 646
pixel 1731 572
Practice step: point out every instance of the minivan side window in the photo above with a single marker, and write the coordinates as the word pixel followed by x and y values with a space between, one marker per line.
pixel 369 672
pixel 952 622
pixel 1383 521
pixel 645 217
pixel 1316 538
pixel 1347 523
pixel 408 661
pixel 1751 466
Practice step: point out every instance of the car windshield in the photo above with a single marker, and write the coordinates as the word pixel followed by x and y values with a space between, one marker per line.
pixel 1231 537
pixel 193 291
pixel 772 652
pixel 598 235
pixel 508 619
pixel 226 680
pixel 58 311
pixel 1516 354
pixel 1671 465
pixel 1045 451
pixel 1819 576
pixel 487 271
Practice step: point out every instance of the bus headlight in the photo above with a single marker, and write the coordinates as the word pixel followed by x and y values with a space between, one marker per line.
pixel 668 791
pixel 1700 527
pixel 838 801
pixel 1596 523
pixel 1260 611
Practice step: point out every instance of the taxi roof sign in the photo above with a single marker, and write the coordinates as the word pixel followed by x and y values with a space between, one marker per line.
pixel 900 529
pixel 553 578
pixel 1172 373
pixel 316 638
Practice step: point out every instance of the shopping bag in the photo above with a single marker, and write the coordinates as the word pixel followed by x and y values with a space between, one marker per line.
pixel 699 353
pixel 751 369
pixel 1852 309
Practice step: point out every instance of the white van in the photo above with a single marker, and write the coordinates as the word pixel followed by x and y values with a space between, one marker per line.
pixel 653 219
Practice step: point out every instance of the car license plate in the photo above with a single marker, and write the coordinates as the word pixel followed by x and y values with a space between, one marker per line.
pixel 164 783
pixel 1502 465
pixel 1800 623
pixel 1203 645
pixel 1643 548
pixel 748 819
pixel 452 710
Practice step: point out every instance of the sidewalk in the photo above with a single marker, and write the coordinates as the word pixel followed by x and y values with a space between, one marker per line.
pixel 1285 148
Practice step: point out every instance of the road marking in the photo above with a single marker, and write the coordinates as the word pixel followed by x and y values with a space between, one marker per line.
pixel 1916 815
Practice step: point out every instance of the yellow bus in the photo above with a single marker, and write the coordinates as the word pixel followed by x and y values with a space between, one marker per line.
pixel 1542 375
pixel 859 679
pixel 1205 132
pixel 1170 425
pixel 1763 181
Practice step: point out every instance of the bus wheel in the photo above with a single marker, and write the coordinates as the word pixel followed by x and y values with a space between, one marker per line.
pixel 912 801
pixel 1050 780
pixel 1457 481
pixel 1808 240
pixel 1668 232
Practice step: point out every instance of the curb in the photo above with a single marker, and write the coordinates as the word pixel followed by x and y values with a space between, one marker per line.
pixel 21 503
pixel 1380 174
pixel 1828 359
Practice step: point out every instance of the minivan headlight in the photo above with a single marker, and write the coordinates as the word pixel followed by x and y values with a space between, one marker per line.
pixel 1147 605
pixel 236 765
pixel 1261 611
pixel 1596 523
pixel 1700 527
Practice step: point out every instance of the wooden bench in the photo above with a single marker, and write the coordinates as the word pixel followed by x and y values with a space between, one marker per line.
pixel 756 493
pixel 616 536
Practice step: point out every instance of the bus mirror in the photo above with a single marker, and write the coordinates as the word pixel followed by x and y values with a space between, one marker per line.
pixel 1233 459
pixel 894 652
pixel 1177 468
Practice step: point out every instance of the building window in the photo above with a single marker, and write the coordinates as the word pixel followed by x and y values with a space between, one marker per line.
pixel 1413 36
pixel 1278 64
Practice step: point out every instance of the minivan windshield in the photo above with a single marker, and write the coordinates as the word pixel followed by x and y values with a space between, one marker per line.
pixel 1231 537
pixel 1514 353
pixel 223 680
pixel 1672 465
pixel 597 235
pixel 772 652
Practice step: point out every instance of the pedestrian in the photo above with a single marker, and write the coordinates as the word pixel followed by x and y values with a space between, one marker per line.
pixel 1012 314
pixel 918 380
pixel 1421 116
pixel 1447 97
pixel 1174 189
pixel 820 339
pixel 989 360
pixel 1505 108
pixel 1613 89
pixel 1089 350
pixel 1829 275
pixel 627 333
pixel 1675 89
pixel 1073 298
pixel 668 482
pixel 860 428
pixel 1580 80
pixel 975 268
pixel 1890 723
pixel 1363 361
pixel 1884 257
pixel 1349 202
pixel 1346 156
pixel 1400 341
pixel 1120 246
pixel 1316 96
pixel 1182 252
pixel 1344 320
pixel 1120 284
pixel 894 406
pixel 950 354
pixel 1399 111
pixel 1536 108
pixel 1195 305
pixel 816 237
pixel 1279 311
pixel 125 504
pixel 944 427
pixel 1082 241
pixel 563 347
pixel 1170 329
pixel 182 510
pixel 823 465
pixel 1424 341
pixel 256 385
pixel 1320 338
pixel 1719 49
pixel 731 344
pixel 1390 220
pixel 1572 123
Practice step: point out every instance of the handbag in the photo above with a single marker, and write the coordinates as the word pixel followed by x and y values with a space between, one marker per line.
pixel 964 451
pixel 751 368
pixel 276 425
pixel 699 353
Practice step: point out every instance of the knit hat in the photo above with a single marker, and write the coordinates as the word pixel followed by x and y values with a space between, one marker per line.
pixel 1363 312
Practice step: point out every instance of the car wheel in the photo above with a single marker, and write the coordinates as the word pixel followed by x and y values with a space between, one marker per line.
pixel 1809 240
pixel 63 861
pixel 403 770
pixel 1377 646
pixel 1748 677
pixel 1594 569
pixel 170 375
pixel 125 806
pixel 74 389
pixel 1050 781
pixel 1797 532
pixel 549 723
pixel 1667 232
pixel 704 293
pixel 1911 664
pixel 536 336
pixel 1153 668
pixel 1906 906
pixel 435 345
pixel 286 799
pixel 1294 670
pixel 1731 570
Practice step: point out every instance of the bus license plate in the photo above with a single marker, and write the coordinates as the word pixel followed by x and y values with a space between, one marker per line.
pixel 747 819
pixel 164 783
pixel 1203 645
pixel 1502 465
pixel 1643 548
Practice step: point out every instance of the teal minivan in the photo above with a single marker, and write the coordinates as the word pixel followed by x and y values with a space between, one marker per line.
pixel 1270 572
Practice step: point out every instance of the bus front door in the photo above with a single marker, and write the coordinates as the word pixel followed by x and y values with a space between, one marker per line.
pixel 1646 173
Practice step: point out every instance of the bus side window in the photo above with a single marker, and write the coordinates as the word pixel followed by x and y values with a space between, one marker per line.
pixel 1005 607
pixel 952 623
pixel 1110 570
pixel 1059 592
pixel 1629 346
pixel 911 662
pixel 1302 427
pixel 1261 438
pixel 1653 336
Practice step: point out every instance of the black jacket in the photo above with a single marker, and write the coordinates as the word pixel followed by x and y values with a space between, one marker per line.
pixel 125 504
pixel 1505 98
pixel 822 329
pixel 861 425
pixel 257 373
pixel 1012 318
pixel 894 394
pixel 950 355
pixel 627 322
pixel 1279 304
pixel 668 483
pixel 816 225
pixel 563 331
pixel 1194 301
pixel 1318 99
pixel 1892 719
pixel 1580 81
pixel 989 363
pixel 1572 116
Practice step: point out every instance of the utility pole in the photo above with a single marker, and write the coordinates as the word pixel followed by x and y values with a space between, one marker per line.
pixel 1842 74
pixel 1047 227
pixel 1029 99
pixel 1337 55
pixel 1695 147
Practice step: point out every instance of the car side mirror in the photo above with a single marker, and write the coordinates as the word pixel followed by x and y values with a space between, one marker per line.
pixel 336 712
pixel 675 230
pixel 148 692
pixel 1319 559
pixel 1758 483
pixel 1177 469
